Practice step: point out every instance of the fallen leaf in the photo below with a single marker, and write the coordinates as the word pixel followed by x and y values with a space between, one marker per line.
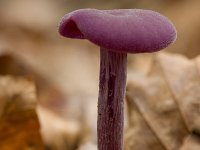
pixel 19 124
pixel 167 99
pixel 191 143
pixel 57 132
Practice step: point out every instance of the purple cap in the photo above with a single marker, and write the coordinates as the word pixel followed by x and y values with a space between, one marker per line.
pixel 124 30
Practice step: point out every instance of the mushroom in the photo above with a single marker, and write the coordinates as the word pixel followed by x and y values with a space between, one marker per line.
pixel 117 32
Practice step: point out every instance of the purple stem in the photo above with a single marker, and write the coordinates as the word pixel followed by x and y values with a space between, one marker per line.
pixel 110 124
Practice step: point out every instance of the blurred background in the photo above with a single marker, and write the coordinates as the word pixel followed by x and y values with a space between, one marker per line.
pixel 65 71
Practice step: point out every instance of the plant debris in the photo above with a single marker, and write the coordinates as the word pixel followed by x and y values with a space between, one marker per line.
pixel 166 101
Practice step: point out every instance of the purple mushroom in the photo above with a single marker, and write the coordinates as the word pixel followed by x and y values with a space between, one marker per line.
pixel 117 32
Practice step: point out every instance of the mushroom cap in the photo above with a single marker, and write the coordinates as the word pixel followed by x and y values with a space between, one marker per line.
pixel 120 30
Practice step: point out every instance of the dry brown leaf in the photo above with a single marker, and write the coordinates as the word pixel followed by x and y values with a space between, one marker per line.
pixel 59 133
pixel 75 126
pixel 49 94
pixel 191 143
pixel 139 135
pixel 167 99
pixel 19 125
pixel 182 78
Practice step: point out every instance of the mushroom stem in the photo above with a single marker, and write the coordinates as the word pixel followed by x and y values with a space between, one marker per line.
pixel 112 83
